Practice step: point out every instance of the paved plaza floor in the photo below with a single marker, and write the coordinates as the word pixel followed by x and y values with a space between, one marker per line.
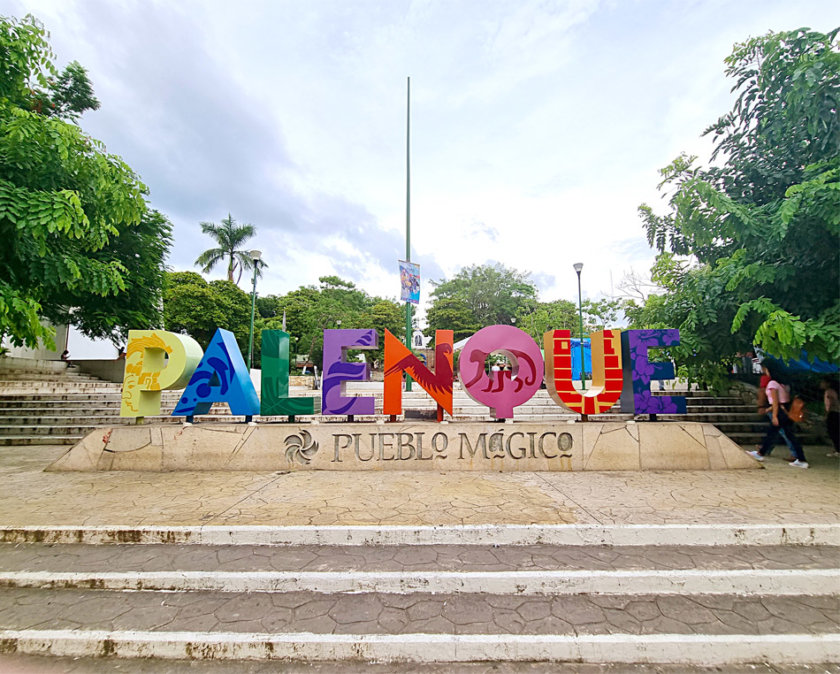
pixel 777 494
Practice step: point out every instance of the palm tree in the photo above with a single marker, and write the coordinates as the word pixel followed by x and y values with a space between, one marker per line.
pixel 230 238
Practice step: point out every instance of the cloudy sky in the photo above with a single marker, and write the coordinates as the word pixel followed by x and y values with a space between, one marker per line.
pixel 538 127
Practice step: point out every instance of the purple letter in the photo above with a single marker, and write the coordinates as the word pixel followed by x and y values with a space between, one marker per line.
pixel 337 371
pixel 640 371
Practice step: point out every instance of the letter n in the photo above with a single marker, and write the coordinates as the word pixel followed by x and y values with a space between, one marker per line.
pixel 399 359
pixel 606 371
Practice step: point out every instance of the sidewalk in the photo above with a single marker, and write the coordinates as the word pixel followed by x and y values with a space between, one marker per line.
pixel 726 568
pixel 777 495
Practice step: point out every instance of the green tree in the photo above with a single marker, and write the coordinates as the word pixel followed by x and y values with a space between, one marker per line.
pixel 67 95
pixel 63 199
pixel 600 314
pixel 760 232
pixel 477 296
pixel 333 303
pixel 230 238
pixel 141 250
pixel 563 315
pixel 556 315
pixel 383 315
pixel 196 307
pixel 451 313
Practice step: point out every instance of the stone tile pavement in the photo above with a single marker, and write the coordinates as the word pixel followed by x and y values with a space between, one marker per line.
pixel 407 558
pixel 374 613
pixel 776 495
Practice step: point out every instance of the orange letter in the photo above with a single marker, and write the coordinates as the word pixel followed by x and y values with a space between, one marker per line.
pixel 399 359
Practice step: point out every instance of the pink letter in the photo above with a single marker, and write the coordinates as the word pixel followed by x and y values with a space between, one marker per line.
pixel 507 389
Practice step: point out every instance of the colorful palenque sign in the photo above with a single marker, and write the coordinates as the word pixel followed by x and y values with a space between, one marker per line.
pixel 605 389
pixel 155 360
pixel 409 282
pixel 502 390
pixel 399 359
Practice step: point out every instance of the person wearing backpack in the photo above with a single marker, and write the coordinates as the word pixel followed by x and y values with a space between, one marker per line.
pixel 778 397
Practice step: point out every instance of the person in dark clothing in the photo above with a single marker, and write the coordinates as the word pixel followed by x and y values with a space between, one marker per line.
pixel 832 412
pixel 778 397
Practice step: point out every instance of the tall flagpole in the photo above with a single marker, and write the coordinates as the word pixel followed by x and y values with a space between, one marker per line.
pixel 408 330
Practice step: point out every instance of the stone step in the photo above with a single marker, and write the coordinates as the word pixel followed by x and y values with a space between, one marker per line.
pixel 67 381
pixel 70 375
pixel 30 440
pixel 41 410
pixel 57 388
pixel 507 652
pixel 82 400
pixel 496 535
pixel 388 613
pixel 45 431
pixel 495 595
pixel 526 570
pixel 27 397
pixel 92 419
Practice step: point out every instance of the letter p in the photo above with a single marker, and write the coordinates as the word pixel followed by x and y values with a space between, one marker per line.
pixel 147 372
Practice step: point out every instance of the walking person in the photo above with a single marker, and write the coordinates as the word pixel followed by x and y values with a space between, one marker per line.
pixel 778 398
pixel 832 412
pixel 764 408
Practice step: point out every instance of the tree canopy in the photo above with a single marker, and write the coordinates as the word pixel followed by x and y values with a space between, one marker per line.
pixel 196 307
pixel 333 303
pixel 484 295
pixel 64 204
pixel 477 296
pixel 749 251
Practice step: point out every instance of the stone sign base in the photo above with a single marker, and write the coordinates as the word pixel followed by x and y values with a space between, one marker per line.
pixel 408 446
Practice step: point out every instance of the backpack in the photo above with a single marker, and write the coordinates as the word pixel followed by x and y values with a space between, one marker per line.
pixel 796 413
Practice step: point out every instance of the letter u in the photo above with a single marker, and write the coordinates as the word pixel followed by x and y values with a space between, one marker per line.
pixel 606 371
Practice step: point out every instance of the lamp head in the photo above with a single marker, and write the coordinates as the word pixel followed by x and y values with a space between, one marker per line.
pixel 578 266
pixel 255 254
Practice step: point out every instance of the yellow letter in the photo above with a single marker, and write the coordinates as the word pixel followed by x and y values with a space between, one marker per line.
pixel 147 372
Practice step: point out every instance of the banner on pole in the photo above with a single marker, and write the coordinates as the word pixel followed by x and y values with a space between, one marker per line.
pixel 409 282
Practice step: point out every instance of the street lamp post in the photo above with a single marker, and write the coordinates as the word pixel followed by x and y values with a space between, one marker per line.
pixel 255 256
pixel 578 267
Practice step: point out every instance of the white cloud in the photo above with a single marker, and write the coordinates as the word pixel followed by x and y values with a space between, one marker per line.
pixel 537 127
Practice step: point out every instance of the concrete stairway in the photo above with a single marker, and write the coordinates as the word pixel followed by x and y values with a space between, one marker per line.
pixel 695 595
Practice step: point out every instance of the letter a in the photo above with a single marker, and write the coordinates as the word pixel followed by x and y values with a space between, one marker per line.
pixel 221 377
pixel 606 371
pixel 399 359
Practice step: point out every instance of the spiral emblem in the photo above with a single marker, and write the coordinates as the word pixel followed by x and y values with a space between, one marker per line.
pixel 301 447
